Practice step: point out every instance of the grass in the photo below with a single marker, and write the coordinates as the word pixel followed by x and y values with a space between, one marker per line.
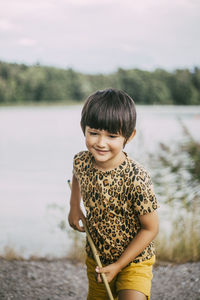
pixel 76 254
pixel 182 246
pixel 11 254
pixel 77 251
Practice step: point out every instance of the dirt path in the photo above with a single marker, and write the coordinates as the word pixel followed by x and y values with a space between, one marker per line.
pixel 62 280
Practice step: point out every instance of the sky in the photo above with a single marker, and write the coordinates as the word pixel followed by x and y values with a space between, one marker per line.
pixel 100 36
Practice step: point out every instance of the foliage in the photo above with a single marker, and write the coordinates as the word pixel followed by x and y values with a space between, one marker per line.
pixel 20 83
pixel 11 254
pixel 177 179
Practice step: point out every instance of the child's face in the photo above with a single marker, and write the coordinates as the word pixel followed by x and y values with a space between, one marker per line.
pixel 106 148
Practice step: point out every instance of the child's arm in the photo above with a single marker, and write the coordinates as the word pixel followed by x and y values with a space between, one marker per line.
pixel 75 213
pixel 148 231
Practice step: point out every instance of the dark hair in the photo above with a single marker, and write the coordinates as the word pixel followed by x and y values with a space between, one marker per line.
pixel 111 110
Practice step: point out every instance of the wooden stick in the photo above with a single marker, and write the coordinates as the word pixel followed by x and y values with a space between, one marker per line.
pixel 96 257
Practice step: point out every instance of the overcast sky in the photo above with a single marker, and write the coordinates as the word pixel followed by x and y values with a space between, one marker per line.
pixel 101 35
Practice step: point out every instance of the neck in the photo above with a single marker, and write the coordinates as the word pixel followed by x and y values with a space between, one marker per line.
pixel 109 165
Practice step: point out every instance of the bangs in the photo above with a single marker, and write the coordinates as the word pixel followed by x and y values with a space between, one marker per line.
pixel 105 117
pixel 110 110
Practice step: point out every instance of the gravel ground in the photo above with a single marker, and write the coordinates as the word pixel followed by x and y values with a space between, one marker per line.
pixel 61 279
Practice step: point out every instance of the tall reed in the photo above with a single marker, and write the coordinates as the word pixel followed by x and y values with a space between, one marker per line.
pixel 177 183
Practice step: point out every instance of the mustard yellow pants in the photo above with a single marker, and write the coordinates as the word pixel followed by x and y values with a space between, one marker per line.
pixel 136 276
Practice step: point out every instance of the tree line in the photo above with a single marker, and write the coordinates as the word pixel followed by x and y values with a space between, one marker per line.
pixel 20 83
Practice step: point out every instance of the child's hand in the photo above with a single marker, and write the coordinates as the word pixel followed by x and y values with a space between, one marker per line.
pixel 75 216
pixel 110 271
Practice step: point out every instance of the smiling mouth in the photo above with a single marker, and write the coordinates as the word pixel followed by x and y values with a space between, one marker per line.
pixel 100 151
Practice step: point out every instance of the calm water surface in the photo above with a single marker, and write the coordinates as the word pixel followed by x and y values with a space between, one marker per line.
pixel 37 145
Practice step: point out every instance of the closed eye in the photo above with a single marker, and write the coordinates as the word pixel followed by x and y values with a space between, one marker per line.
pixel 93 133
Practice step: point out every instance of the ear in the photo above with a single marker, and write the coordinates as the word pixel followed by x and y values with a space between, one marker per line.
pixel 132 136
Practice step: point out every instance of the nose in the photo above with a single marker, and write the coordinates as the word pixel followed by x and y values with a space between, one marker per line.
pixel 101 141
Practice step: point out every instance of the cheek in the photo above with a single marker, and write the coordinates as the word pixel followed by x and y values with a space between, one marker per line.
pixel 118 145
pixel 88 141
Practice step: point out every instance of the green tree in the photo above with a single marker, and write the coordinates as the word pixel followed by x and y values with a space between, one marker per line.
pixel 73 86
pixel 182 89
pixel 21 83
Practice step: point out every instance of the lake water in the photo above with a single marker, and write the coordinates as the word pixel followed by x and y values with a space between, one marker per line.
pixel 37 145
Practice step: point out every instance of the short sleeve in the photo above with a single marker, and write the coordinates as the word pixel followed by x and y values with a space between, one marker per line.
pixel 75 165
pixel 81 163
pixel 144 199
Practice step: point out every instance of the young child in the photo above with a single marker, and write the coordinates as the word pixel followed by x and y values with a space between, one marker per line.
pixel 118 197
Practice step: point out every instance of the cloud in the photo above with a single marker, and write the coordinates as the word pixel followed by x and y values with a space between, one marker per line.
pixel 95 3
pixel 101 34
pixel 6 25
pixel 16 8
pixel 27 42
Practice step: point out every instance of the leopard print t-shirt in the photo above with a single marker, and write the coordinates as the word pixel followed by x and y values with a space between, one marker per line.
pixel 113 201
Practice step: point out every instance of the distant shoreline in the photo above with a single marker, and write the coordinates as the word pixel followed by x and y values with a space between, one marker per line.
pixel 75 103
pixel 41 104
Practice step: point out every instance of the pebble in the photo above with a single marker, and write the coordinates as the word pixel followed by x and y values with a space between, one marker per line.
pixel 63 280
